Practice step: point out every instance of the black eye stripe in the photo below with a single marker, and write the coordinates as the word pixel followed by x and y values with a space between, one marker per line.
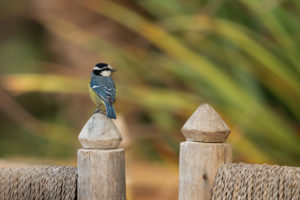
pixel 98 71
pixel 101 70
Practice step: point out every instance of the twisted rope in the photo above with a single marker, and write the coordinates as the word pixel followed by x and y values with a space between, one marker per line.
pixel 35 183
pixel 251 181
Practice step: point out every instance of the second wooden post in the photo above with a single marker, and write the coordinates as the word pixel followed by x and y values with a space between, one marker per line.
pixel 203 153
pixel 101 165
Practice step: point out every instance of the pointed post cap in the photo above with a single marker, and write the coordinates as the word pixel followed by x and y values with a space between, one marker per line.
pixel 205 125
pixel 99 133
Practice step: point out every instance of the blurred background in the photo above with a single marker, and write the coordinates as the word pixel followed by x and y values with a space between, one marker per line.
pixel 242 57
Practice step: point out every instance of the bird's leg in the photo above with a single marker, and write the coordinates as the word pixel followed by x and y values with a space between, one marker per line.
pixel 98 110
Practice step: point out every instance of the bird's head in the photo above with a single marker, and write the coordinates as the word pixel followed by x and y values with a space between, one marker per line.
pixel 103 69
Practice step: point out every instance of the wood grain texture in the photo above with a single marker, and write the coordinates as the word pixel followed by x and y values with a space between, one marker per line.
pixel 101 174
pixel 100 133
pixel 205 125
pixel 199 163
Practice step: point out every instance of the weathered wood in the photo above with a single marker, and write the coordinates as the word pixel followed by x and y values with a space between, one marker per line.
pixel 101 167
pixel 203 153
pixel 101 174
pixel 100 132
pixel 205 125
pixel 199 163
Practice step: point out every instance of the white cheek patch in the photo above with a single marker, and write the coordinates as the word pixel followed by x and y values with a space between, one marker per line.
pixel 96 68
pixel 105 73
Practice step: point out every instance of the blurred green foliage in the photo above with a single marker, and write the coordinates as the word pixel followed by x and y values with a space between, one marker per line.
pixel 242 57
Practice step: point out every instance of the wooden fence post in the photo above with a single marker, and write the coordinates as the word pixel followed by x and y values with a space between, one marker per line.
pixel 203 153
pixel 101 164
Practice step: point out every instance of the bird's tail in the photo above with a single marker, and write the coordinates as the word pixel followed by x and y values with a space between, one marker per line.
pixel 110 111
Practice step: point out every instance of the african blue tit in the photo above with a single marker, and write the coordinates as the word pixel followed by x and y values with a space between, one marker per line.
pixel 102 88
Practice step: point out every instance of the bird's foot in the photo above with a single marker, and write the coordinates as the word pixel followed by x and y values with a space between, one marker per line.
pixel 98 110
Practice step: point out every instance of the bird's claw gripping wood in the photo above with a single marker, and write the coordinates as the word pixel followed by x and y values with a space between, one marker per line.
pixel 98 110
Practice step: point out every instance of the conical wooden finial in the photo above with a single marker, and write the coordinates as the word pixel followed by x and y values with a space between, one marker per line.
pixel 99 133
pixel 205 125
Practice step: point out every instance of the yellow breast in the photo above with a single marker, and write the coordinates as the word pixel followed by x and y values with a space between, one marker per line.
pixel 95 98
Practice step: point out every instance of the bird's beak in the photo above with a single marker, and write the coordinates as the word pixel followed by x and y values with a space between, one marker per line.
pixel 114 70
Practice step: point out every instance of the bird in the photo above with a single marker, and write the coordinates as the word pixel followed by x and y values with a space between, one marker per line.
pixel 102 88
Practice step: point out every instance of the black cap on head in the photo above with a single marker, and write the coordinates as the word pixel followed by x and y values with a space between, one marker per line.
pixel 101 65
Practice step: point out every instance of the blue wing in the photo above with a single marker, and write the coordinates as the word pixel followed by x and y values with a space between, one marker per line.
pixel 105 88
